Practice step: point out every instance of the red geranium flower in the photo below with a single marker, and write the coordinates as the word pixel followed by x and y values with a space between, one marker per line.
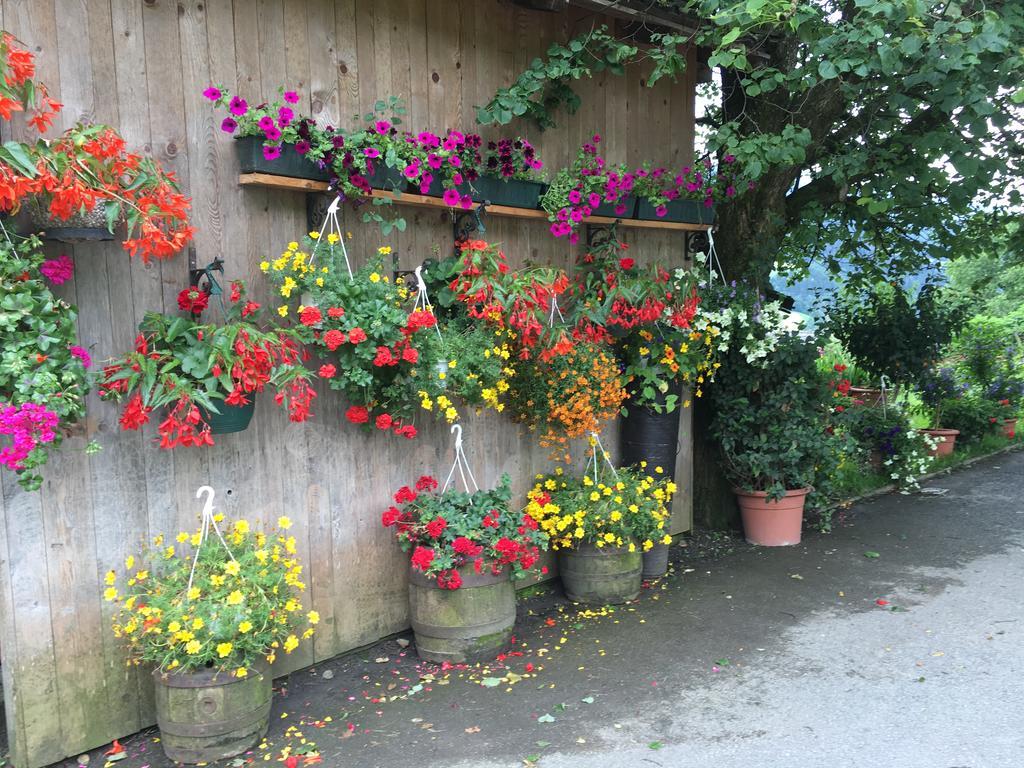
pixel 310 316
pixel 405 494
pixel 357 414
pixel 193 300
pixel 357 335
pixel 335 312
pixel 390 517
pixel 426 483
pixel 626 263
pixel 449 579
pixel 436 527
pixel 327 371
pixel 422 557
pixel 383 421
pixel 334 339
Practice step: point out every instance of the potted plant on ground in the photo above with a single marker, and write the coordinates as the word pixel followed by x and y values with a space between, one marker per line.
pixel 205 376
pixel 601 527
pixel 771 423
pixel 887 442
pixel 43 371
pixel 890 332
pixel 466 548
pixel 210 614
pixel 936 389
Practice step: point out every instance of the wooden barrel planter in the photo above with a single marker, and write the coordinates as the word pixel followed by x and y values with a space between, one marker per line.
pixel 208 715
pixel 645 435
pixel 468 624
pixel 232 418
pixel 600 575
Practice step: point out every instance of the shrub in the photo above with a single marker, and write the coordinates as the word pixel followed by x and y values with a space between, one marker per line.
pixel 972 415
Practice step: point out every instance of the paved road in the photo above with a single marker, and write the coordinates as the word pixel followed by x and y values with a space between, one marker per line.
pixel 762 658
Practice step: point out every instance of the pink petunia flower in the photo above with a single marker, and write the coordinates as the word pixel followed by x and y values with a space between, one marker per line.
pixel 212 93
pixel 273 133
pixel 228 125
pixel 82 354
pixel 271 152
pixel 238 106
pixel 291 97
pixel 382 127
pixel 58 270
pixel 450 197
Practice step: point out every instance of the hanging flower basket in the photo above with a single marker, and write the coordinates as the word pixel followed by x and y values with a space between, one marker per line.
pixel 231 418
pixel 689 211
pixel 82 227
pixel 289 163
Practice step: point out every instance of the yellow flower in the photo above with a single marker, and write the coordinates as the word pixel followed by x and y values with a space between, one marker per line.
pixel 110 578
pixel 284 522
pixel 319 282
pixel 241 672
pixel 595 496
pixel 451 363
pixel 313 617
pixel 129 562
pixel 264 266
pixel 110 594
pixel 223 649
pixel 242 526
pixel 291 643
pixel 374 277
pixel 384 250
pixel 235 597
pixel 193 646
pixel 244 627
pixel 232 568
pixel 174 627
pixel 283 310
pixel 293 246
pixel 198 623
pixel 314 235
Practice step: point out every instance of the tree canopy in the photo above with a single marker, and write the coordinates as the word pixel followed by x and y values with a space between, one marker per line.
pixel 894 128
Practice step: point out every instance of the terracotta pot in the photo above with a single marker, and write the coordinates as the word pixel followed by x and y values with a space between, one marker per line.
pixel 772 523
pixel 1010 428
pixel 946 438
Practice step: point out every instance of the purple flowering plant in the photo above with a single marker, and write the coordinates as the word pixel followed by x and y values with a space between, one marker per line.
pixel 512 159
pixel 44 375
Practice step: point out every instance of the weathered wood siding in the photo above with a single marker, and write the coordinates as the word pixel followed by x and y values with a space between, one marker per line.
pixel 140 65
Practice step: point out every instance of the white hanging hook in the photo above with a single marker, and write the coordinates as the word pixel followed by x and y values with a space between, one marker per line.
pixel 333 207
pixel 207 491
pixel 420 285
pixel 457 431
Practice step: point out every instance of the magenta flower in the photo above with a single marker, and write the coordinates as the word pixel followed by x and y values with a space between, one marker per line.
pixel 272 133
pixel 58 270
pixel 271 152
pixel 382 127
pixel 455 161
pixel 238 106
pixel 596 138
pixel 228 125
pixel 26 426
pixel 291 97
pixel 212 93
pixel 266 122
pixel 428 140
pixel 661 211
pixel 372 152
pixel 576 216
pixel 412 170
pixel 729 159
pixel 574 238
pixel 284 116
pixel 730 191
pixel 457 179
pixel 708 202
pixel 457 137
pixel 82 354
pixel 302 146
pixel 575 197
pixel 594 199
pixel 466 201
pixel 434 161
pixel 450 197
pixel 620 209
pixel 563 214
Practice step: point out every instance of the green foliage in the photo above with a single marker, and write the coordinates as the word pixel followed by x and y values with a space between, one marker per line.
pixel 886 442
pixel 989 348
pixel 891 333
pixel 771 423
pixel 973 415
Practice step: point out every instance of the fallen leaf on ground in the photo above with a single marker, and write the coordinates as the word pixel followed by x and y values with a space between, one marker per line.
pixel 871 555
pixel 473 729
pixel 655 745
pixel 545 719
pixel 587 699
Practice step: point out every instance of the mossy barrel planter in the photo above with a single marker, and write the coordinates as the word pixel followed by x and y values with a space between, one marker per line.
pixel 290 163
pixel 688 211
pixel 232 418
pixel 469 624
pixel 600 575
pixel 207 715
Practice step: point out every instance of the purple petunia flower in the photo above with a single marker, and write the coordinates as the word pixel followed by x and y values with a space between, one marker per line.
pixel 285 116
pixel 302 147
pixel 594 199
pixel 661 211
pixel 238 106
pixel 212 93
pixel 228 125
pixel 575 197
pixel 266 122
pixel 272 133
pixel 412 170
pixel 371 152
pixel 291 97
pixel 466 202
pixel 434 161
pixel 271 152
pixel 382 127
pixel 450 197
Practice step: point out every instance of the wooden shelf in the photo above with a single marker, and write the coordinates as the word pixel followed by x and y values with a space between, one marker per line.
pixel 407 198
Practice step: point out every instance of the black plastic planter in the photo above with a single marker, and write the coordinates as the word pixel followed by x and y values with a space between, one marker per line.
pixel 387 178
pixel 609 209
pixel 690 211
pixel 290 163
pixel 232 418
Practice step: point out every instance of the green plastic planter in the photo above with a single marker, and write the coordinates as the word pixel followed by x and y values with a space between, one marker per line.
pixel 391 179
pixel 515 193
pixel 689 211
pixel 250 160
pixel 232 418
pixel 608 209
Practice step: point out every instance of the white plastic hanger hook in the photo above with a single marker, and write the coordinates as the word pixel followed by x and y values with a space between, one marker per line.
pixel 207 491
pixel 420 284
pixel 333 207
pixel 457 431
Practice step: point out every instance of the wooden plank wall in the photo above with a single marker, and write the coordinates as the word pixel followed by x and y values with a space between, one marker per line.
pixel 140 65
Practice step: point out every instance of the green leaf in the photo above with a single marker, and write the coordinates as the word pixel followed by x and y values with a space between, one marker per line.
pixel 18 156
pixel 655 745
pixel 828 70
pixel 490 682
pixel 871 555
pixel 545 719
